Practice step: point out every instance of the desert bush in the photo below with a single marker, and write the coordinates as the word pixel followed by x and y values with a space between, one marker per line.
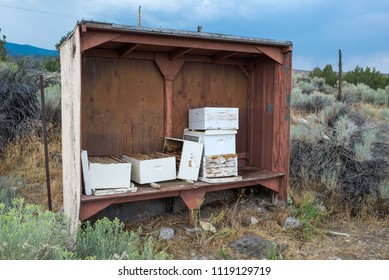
pixel 107 239
pixel 310 214
pixel 27 232
pixel 328 74
pixel 8 192
pixel 353 93
pixel 376 97
pixel 311 103
pixel 332 113
pixel 383 113
pixel 322 86
pixel 343 155
pixel 53 104
pixel 18 102
pixel 363 93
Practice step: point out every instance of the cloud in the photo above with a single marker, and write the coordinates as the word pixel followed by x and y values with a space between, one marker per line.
pixel 378 60
pixel 165 12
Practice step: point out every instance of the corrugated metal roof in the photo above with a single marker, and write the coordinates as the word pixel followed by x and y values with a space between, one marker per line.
pixel 185 33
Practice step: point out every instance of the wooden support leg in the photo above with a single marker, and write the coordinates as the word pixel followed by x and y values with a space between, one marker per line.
pixel 274 198
pixel 193 199
pixel 192 217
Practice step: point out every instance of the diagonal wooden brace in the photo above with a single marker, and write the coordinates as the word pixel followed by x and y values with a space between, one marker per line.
pixel 193 199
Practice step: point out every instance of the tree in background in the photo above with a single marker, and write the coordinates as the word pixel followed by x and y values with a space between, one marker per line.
pixel 329 75
pixel 62 40
pixel 52 64
pixel 3 50
pixel 368 76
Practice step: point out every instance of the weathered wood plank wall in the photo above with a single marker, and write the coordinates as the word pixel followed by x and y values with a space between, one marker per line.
pixel 70 95
pixel 122 106
pixel 210 85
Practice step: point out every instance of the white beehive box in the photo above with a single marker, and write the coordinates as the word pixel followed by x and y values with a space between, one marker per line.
pixel 217 166
pixel 216 142
pixel 213 118
pixel 188 157
pixel 151 168
pixel 105 172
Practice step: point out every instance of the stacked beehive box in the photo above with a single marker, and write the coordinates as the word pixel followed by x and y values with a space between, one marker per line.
pixel 216 128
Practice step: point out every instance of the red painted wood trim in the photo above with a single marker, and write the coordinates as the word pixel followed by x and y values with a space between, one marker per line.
pixel 272 52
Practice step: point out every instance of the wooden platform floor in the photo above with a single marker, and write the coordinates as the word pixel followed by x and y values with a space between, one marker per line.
pixel 189 192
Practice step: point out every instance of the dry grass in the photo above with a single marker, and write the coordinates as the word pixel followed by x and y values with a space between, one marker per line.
pixel 23 163
pixel 367 240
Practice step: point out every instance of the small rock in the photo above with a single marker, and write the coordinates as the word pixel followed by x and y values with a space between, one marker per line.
pixel 253 221
pixel 302 121
pixel 322 209
pixel 255 246
pixel 290 200
pixel 291 223
pixel 166 233
pixel 207 226
pixel 192 231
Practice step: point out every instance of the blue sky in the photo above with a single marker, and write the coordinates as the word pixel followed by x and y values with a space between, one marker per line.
pixel 317 28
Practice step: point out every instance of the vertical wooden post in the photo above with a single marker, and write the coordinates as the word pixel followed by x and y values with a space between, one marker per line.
pixel 168 131
pixel 193 198
pixel 43 104
pixel 169 69
pixel 251 100
pixel 139 16
pixel 282 158
pixel 340 79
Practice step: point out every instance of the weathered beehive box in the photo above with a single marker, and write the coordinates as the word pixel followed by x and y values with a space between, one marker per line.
pixel 219 165
pixel 125 89
pixel 105 172
pixel 213 118
pixel 151 168
pixel 216 142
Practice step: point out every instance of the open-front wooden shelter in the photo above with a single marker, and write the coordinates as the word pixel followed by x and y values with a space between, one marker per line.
pixel 126 88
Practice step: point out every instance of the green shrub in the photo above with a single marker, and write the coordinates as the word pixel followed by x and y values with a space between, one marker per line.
pixel 368 76
pixel 311 103
pixel 376 97
pixel 27 232
pixel 322 86
pixel 107 239
pixel 8 192
pixel 53 64
pixel 19 104
pixel 344 155
pixel 53 104
pixel 383 113
pixel 363 93
pixel 329 75
pixel 310 214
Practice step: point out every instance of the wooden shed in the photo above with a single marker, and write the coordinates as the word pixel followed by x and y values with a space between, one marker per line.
pixel 126 88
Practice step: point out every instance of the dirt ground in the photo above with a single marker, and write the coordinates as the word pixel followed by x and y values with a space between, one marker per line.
pixel 354 238
pixel 361 238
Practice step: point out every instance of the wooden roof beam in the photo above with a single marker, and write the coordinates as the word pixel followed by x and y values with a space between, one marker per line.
pixel 182 42
pixel 127 49
pixel 222 56
pixel 244 71
pixel 178 52
pixel 91 39
pixel 272 52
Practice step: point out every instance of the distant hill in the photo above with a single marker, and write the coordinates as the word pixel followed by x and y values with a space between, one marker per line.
pixel 27 50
